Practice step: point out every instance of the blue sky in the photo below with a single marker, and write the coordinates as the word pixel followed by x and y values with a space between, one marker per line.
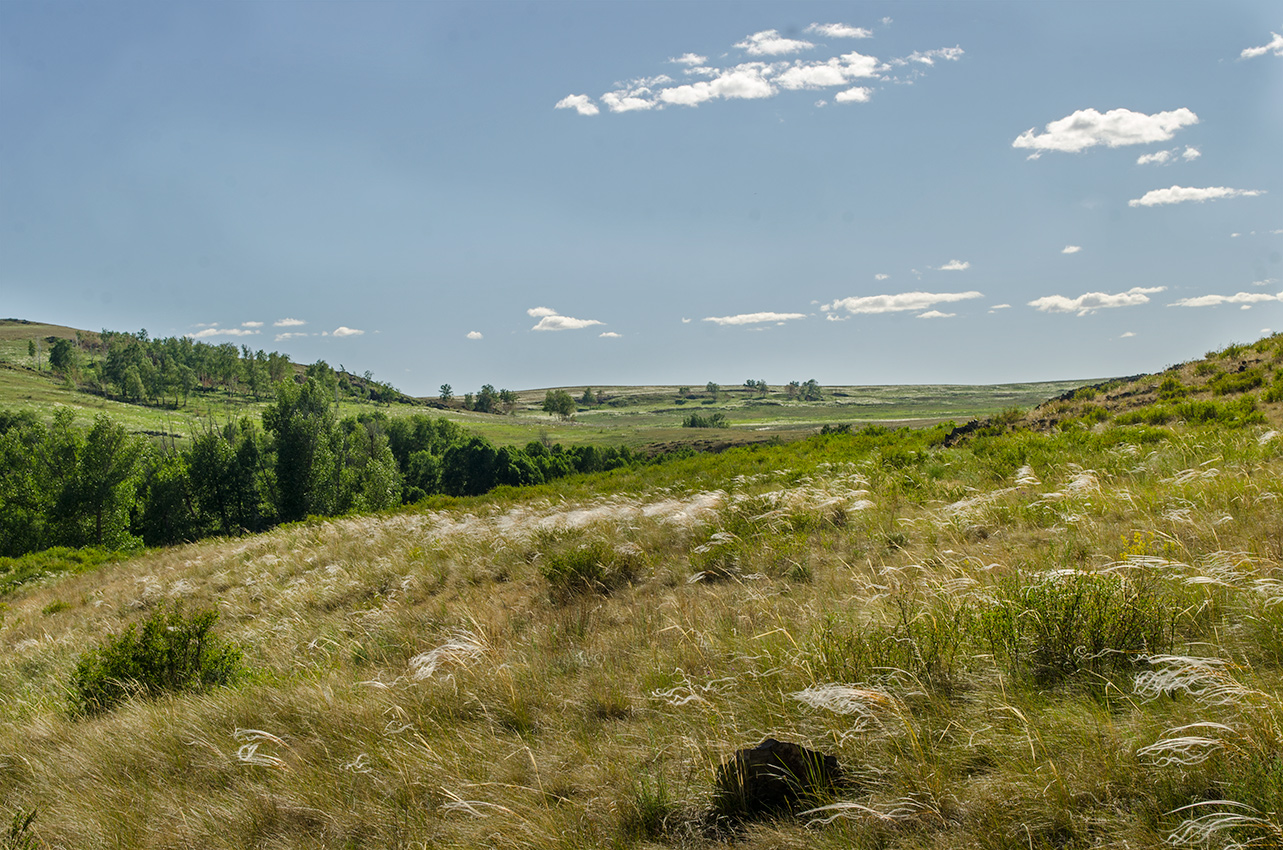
pixel 544 194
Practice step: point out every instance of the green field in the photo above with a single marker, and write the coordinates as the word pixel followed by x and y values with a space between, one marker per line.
pixel 639 417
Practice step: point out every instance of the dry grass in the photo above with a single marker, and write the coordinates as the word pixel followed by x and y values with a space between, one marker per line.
pixel 417 682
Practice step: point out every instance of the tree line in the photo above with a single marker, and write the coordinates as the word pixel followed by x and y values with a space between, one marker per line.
pixel 135 368
pixel 67 485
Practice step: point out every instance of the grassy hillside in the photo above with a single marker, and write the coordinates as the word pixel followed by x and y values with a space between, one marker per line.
pixel 645 417
pixel 1058 638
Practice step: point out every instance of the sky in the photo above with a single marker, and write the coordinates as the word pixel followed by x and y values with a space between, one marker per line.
pixel 577 194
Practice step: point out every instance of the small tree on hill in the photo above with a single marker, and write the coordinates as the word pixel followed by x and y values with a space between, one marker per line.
pixel 560 403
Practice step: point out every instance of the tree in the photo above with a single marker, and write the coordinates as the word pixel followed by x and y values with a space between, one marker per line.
pixel 301 422
pixel 560 403
pixel 713 388
pixel 792 389
pixel 447 393
pixel 62 356
pixel 508 399
pixel 811 390
pixel 588 399
pixel 107 474
pixel 486 400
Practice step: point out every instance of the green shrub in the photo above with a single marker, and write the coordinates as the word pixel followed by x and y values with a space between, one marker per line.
pixel 1069 623
pixel 15 572
pixel 171 652
pixel 594 566
pixel 1237 382
pixel 695 420
pixel 19 836
pixel 1171 388
pixel 1207 367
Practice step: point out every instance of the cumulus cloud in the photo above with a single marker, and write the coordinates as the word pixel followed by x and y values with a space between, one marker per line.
pixel 771 43
pixel 900 302
pixel 1090 302
pixel 881 276
pixel 753 318
pixel 929 57
pixel 955 266
pixel 342 330
pixel 1244 298
pixel 936 314
pixel 1157 158
pixel 859 94
pixel 1275 46
pixel 767 74
pixel 1071 249
pixel 581 103
pixel 608 335
pixel 290 335
pixel 1087 128
pixel 1181 194
pixel 251 324
pixel 214 330
pixel 840 31
pixel 550 320
pixel 1191 153
pixel 1127 335
pixel 288 323
pixel 474 335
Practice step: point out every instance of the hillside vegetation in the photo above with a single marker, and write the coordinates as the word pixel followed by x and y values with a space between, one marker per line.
pixel 1061 628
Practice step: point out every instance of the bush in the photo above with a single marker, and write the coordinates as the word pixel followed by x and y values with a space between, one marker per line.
pixel 1067 623
pixel 170 653
pixel 1237 382
pixel 592 566
pixel 716 420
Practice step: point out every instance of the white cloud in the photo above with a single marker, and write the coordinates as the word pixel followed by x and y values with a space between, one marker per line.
pixel 1071 249
pixel 341 330
pixel 900 302
pixel 952 54
pixel 881 276
pixel 581 103
pixel 214 330
pixel 288 323
pixel 837 71
pixel 753 318
pixel 936 314
pixel 685 321
pixel 840 31
pixel 1181 194
pixel 1191 153
pixel 630 101
pixel 1087 128
pixel 288 335
pixel 549 320
pixel 608 335
pixel 1265 282
pixel 1275 46
pixel 1244 298
pixel 859 94
pixel 1000 307
pixel 743 82
pixel 955 266
pixel 474 335
pixel 251 324
pixel 1127 335
pixel 1158 158
pixel 1090 302
pixel 689 59
pixel 771 43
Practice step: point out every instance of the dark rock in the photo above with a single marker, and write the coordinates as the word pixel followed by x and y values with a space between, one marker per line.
pixel 773 778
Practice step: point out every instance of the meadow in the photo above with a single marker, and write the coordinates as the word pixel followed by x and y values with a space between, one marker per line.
pixel 1064 629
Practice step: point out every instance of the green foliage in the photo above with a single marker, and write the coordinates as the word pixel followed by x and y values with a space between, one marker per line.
pixel 1171 388
pixel 170 653
pixel 1235 414
pixel 1237 382
pixel 715 420
pixel 559 402
pixel 591 566
pixel 646 813
pixel 15 572
pixel 1066 624
pixel 20 835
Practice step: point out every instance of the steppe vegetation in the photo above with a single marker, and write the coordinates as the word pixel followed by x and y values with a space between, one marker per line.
pixel 1061 628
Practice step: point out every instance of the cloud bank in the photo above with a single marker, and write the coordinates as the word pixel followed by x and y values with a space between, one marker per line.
pixel 1181 194
pixel 1246 298
pixel 897 303
pixel 1090 302
pixel 754 318
pixel 550 320
pixel 1088 128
